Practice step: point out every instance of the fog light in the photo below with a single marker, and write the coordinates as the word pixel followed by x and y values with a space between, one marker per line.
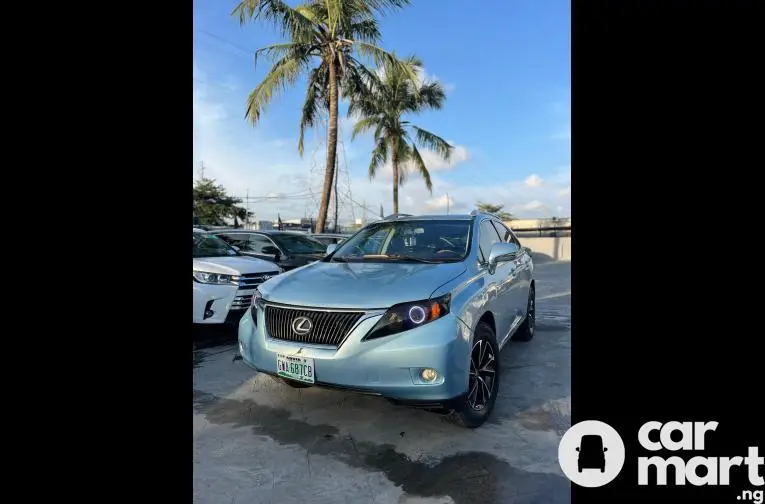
pixel 428 374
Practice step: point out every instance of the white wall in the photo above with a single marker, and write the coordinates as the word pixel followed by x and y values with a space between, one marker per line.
pixel 549 248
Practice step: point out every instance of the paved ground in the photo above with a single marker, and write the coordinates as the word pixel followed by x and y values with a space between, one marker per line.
pixel 260 441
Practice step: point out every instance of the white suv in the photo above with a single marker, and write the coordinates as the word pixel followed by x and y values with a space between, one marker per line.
pixel 224 279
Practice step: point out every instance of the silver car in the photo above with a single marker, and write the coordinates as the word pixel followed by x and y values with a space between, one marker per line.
pixel 414 309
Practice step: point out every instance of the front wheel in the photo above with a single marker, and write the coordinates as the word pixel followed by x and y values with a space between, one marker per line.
pixel 483 380
pixel 526 331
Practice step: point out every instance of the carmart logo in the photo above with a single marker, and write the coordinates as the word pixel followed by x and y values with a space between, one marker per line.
pixel 591 454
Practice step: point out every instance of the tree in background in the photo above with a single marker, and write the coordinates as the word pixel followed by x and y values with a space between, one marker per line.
pixel 324 38
pixel 382 105
pixel 212 206
pixel 496 210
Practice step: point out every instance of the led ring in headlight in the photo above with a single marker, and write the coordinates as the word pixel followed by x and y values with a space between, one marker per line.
pixel 417 314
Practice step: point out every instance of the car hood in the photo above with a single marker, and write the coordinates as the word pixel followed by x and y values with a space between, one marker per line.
pixel 234 265
pixel 358 285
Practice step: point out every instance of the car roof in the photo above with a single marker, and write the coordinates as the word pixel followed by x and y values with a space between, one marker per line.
pixel 407 217
pixel 251 231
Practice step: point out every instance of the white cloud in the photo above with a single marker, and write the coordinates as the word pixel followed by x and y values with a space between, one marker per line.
pixel 533 181
pixel 243 158
pixel 439 204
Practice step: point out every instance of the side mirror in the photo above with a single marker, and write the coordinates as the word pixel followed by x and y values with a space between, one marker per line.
pixel 331 248
pixel 502 252
pixel 577 448
pixel 235 248
pixel 605 449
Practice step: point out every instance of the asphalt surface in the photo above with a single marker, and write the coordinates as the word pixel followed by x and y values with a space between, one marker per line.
pixel 257 440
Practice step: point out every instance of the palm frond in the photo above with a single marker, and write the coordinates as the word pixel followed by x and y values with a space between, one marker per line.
pixel 419 165
pixel 379 158
pixel 431 96
pixel 279 51
pixel 335 15
pixel 283 74
pixel 288 20
pixel 365 30
pixel 433 142
pixel 315 99
pixel 385 6
pixel 364 124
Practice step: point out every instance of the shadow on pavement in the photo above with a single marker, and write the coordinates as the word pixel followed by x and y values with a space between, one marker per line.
pixel 208 336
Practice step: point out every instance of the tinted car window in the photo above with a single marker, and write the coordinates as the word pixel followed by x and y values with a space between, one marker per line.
pixel 423 240
pixel 506 234
pixel 204 245
pixel 298 244
pixel 258 242
pixel 487 237
pixel 235 239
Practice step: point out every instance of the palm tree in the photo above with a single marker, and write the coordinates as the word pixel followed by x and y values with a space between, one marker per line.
pixel 382 103
pixel 496 210
pixel 325 38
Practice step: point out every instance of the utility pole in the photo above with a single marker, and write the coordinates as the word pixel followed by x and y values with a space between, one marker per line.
pixel 447 203
pixel 247 210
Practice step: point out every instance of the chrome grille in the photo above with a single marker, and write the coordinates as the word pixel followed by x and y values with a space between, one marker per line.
pixel 241 302
pixel 252 280
pixel 327 327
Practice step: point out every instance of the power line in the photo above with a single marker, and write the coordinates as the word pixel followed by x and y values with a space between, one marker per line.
pixel 249 52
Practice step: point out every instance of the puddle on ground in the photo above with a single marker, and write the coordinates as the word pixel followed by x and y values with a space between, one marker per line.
pixel 544 419
pixel 467 478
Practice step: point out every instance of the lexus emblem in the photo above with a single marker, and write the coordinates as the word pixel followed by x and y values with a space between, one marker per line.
pixel 302 326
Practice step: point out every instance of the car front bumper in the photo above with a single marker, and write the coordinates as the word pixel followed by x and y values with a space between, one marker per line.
pixel 220 304
pixel 387 366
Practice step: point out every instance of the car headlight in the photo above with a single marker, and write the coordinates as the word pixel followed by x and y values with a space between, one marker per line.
pixel 257 299
pixel 405 316
pixel 214 278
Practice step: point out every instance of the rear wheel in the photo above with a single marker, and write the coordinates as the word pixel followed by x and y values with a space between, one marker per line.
pixel 526 331
pixel 483 380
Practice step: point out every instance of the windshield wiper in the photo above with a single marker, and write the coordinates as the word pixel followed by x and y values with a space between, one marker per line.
pixel 412 258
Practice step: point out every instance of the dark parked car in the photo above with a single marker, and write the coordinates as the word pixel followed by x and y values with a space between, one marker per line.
pixel 289 250
pixel 592 453
pixel 329 238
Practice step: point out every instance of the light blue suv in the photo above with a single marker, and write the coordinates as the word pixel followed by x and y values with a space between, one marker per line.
pixel 412 308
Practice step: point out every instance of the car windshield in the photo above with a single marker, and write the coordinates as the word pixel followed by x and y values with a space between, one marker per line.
pixel 205 245
pixel 426 241
pixel 592 443
pixel 298 244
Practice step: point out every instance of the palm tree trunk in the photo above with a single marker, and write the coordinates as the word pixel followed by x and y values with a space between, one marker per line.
pixel 329 174
pixel 394 164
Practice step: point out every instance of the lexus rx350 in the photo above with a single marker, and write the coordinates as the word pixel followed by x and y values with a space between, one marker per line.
pixel 414 309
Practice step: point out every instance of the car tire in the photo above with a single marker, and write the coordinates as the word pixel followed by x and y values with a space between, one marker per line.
pixel 476 407
pixel 528 328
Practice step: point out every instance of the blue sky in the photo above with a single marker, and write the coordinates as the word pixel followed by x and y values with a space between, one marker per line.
pixel 505 65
